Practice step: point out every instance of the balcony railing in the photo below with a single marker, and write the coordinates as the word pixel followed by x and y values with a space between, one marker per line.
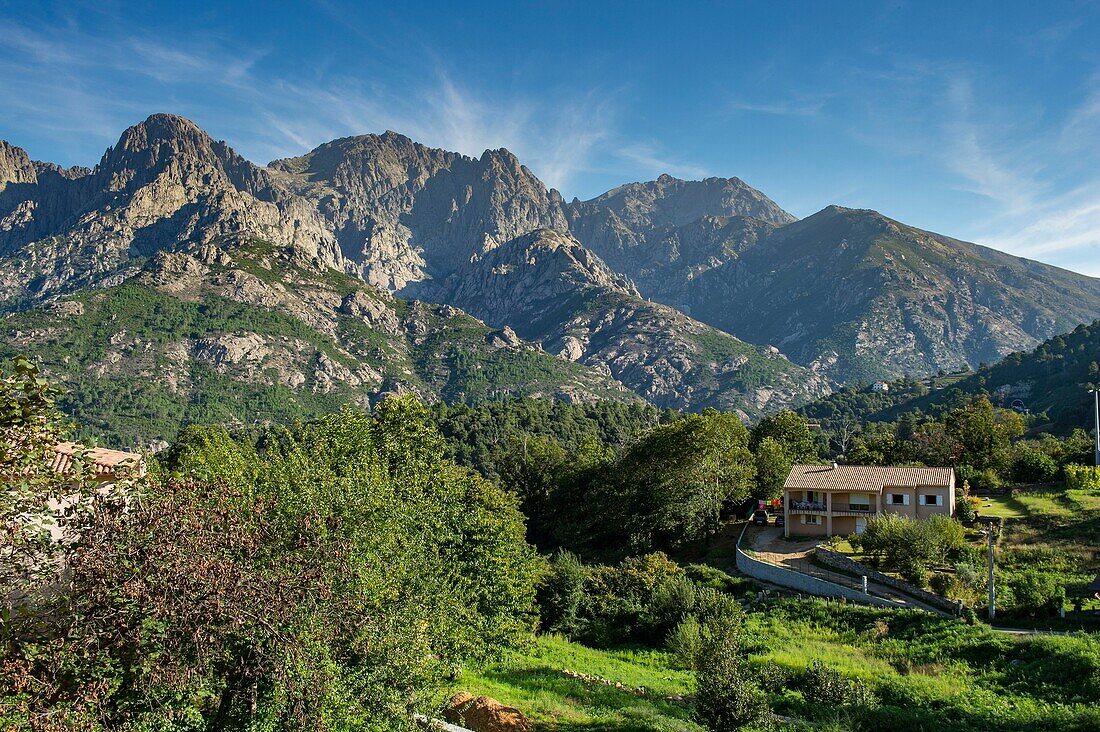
pixel 820 506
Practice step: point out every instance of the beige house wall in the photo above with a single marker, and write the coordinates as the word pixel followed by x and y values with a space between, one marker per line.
pixel 845 525
pixel 948 507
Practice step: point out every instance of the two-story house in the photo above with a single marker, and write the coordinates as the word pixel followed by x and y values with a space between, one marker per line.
pixel 824 500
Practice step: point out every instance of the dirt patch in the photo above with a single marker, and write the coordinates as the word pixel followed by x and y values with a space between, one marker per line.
pixel 485 714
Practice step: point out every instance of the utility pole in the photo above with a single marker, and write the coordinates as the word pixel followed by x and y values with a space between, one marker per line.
pixel 992 589
pixel 1096 398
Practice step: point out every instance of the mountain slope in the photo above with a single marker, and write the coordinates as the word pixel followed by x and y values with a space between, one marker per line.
pixel 573 304
pixel 861 296
pixel 406 213
pixel 233 333
pixel 166 182
pixel 849 293
pixel 1052 379
pixel 647 230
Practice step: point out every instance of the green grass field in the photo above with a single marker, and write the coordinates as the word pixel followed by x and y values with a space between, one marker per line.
pixel 929 673
pixel 534 682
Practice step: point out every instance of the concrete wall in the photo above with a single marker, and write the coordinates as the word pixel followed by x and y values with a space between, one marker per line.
pixel 801 582
pixel 836 560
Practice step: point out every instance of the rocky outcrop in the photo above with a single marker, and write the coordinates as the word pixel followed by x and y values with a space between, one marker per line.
pixel 570 302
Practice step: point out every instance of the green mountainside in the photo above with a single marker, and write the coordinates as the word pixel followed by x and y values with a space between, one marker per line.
pixel 236 334
pixel 1050 380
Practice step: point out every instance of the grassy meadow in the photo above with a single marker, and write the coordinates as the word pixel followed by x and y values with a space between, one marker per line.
pixel 927 673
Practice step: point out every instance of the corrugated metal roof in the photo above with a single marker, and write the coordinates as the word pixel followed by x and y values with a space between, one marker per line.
pixel 865 477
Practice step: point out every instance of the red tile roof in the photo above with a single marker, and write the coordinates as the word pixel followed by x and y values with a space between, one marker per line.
pixel 101 460
pixel 865 477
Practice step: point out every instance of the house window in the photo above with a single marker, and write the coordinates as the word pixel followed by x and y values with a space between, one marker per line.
pixel 815 520
pixel 931 499
pixel 859 503
pixel 898 499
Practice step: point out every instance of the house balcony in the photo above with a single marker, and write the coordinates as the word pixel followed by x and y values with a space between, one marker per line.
pixel 797 507
pixel 839 509
pixel 853 509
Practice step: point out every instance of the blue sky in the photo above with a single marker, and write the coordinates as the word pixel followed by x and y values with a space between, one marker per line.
pixel 976 120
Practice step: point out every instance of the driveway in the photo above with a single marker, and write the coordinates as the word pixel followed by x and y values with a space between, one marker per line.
pixel 768 545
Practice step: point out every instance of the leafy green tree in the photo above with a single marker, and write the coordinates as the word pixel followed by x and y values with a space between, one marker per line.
pixel 980 433
pixel 673 483
pixel 328 575
pixel 1037 591
pixel 532 469
pixel 561 593
pixel 773 465
pixel 790 430
pixel 1030 465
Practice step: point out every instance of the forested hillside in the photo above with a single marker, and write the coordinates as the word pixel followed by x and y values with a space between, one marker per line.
pixel 1049 383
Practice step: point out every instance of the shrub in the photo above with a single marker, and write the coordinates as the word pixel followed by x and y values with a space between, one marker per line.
pixel 685 641
pixel 1033 466
pixel 969 576
pixel 1035 591
pixel 912 546
pixel 941 583
pixel 986 479
pixel 773 678
pixel 828 687
pixel 561 592
pixel 1083 477
pixel 726 696
pixel 965 511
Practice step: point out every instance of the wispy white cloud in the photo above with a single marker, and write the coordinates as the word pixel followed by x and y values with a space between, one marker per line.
pixel 809 107
pixel 555 134
pixel 650 160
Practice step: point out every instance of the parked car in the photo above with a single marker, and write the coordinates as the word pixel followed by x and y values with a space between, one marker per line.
pixel 779 520
pixel 760 518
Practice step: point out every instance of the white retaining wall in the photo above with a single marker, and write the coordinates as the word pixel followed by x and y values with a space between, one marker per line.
pixel 802 582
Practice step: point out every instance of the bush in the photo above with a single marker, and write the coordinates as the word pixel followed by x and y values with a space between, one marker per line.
pixel 827 687
pixel 983 480
pixel 912 546
pixel 1083 477
pixel 726 696
pixel 1037 591
pixel 941 583
pixel 561 592
pixel 1033 466
pixel 965 511
pixel 685 641
pixel 970 577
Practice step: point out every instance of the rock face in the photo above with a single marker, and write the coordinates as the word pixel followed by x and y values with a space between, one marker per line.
pixel 569 301
pixel 404 213
pixel 650 285
pixel 861 297
pixel 485 714
pixel 250 331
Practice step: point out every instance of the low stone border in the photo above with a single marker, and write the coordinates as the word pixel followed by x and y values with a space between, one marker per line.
pixel 836 560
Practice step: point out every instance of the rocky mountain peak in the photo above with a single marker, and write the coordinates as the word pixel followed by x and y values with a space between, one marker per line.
pixel 15 165
pixel 165 140
pixel 670 201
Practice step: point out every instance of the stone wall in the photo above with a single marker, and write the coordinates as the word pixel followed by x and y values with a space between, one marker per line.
pixel 836 560
pixel 802 582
